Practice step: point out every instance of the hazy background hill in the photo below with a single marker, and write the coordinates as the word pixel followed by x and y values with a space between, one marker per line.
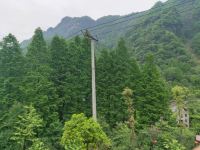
pixel 69 26
pixel 169 30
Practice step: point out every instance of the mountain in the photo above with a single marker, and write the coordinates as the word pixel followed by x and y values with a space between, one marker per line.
pixel 71 25
pixel 166 30
pixel 172 35
pixel 110 33
pixel 157 62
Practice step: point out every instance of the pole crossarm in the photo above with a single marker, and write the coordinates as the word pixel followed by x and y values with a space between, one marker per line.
pixel 87 34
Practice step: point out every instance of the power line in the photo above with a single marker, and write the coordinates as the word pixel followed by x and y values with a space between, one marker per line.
pixel 130 26
pixel 74 34
pixel 104 33
pixel 127 16
pixel 119 29
pixel 135 17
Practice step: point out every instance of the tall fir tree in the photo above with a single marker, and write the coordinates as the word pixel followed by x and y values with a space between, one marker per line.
pixel 11 71
pixel 38 52
pixel 153 104
pixel 59 67
pixel 71 75
pixel 39 90
pixel 8 121
pixel 114 73
pixel 78 79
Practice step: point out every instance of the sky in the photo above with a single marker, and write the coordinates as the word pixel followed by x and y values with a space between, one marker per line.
pixel 22 17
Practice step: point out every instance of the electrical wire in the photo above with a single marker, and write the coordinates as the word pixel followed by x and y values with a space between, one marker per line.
pixel 135 17
pixel 131 26
pixel 119 29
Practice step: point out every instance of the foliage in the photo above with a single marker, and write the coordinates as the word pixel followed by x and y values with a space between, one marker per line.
pixel 41 90
pixel 26 127
pixel 121 137
pixel 170 143
pixel 83 133
pixel 196 44
pixel 179 96
pixel 38 145
pixel 37 51
pixel 11 71
pixel 11 57
pixel 194 108
pixel 115 71
pixel 7 125
pixel 73 67
pixel 128 94
pixel 155 96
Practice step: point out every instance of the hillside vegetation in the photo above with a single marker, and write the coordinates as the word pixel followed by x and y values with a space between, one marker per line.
pixel 46 92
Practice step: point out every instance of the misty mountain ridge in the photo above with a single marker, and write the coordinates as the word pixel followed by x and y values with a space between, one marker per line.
pixel 71 25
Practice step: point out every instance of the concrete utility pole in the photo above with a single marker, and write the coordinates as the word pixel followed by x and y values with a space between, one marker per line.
pixel 93 40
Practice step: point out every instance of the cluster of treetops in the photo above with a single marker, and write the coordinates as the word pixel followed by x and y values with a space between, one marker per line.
pixel 45 99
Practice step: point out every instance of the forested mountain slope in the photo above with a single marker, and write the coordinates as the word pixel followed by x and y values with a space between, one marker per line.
pixel 171 35
pixel 156 63
pixel 171 32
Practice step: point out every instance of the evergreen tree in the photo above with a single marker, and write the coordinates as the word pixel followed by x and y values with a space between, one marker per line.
pixel 153 103
pixel 11 71
pixel 39 90
pixel 8 121
pixel 59 69
pixel 115 71
pixel 11 59
pixel 37 51
pixel 37 87
pixel 78 78
pixel 55 83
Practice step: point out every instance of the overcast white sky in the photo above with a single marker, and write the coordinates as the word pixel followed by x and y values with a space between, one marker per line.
pixel 21 17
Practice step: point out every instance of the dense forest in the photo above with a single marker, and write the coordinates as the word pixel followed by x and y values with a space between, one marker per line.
pixel 45 90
